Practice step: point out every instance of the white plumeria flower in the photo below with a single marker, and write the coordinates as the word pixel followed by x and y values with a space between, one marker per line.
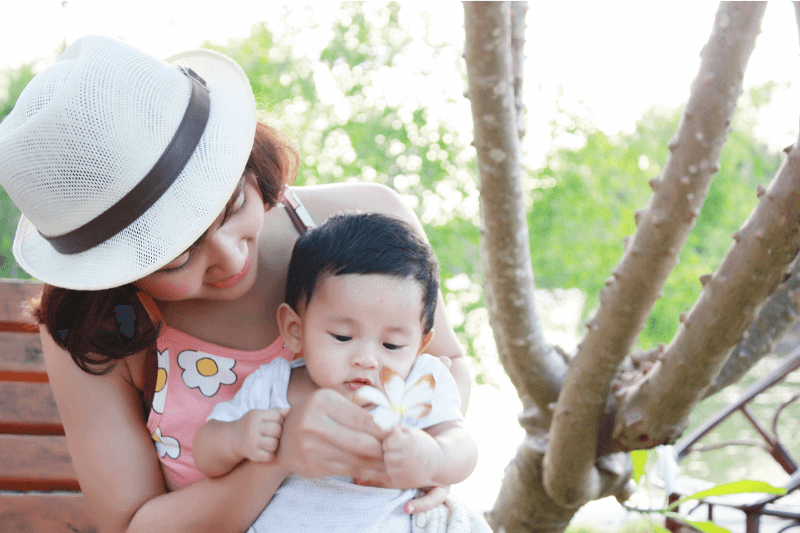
pixel 398 403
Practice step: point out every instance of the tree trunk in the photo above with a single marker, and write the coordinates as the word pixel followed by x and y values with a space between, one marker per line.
pixel 565 460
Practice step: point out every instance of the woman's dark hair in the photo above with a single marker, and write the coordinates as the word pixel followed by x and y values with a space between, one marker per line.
pixel 363 243
pixel 98 328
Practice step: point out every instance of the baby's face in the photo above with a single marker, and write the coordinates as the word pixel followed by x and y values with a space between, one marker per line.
pixel 356 324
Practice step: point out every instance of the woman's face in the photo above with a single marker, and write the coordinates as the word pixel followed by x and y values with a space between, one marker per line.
pixel 224 263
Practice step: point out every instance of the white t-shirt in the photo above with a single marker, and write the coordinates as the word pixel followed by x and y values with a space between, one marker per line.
pixel 335 504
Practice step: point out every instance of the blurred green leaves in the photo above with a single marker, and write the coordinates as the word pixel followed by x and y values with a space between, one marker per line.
pixel 584 199
pixel 12 82
pixel 333 102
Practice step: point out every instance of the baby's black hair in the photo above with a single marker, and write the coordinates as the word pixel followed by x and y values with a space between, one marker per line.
pixel 363 243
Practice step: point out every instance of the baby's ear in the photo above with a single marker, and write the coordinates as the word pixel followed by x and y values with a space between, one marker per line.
pixel 426 341
pixel 290 326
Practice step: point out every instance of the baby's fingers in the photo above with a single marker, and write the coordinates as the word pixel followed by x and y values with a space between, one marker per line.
pixel 431 499
pixel 271 429
pixel 265 452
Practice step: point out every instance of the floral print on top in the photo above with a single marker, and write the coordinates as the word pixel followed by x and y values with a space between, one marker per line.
pixel 193 376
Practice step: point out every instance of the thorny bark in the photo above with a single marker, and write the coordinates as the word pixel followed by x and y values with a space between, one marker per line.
pixel 553 473
pixel 751 270
pixel 535 368
pixel 571 477
pixel 777 316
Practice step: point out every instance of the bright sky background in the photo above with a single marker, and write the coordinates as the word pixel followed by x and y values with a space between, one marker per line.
pixel 613 60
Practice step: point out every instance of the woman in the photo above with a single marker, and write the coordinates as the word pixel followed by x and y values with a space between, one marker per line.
pixel 141 187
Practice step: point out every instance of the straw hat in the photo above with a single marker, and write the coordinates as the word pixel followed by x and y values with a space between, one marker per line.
pixel 119 161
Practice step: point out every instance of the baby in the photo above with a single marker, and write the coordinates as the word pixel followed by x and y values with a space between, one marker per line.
pixel 360 300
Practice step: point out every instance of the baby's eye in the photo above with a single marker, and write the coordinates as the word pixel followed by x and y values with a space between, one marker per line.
pixel 341 338
pixel 390 346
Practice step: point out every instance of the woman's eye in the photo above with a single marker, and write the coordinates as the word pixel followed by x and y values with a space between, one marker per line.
pixel 175 265
pixel 241 201
pixel 341 338
pixel 390 346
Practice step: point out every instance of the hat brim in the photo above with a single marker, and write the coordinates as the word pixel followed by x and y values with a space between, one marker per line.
pixel 185 210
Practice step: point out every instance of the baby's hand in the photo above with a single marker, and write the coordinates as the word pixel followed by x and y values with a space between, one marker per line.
pixel 428 500
pixel 412 457
pixel 259 434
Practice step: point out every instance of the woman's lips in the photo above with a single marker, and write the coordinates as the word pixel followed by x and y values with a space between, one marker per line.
pixel 227 283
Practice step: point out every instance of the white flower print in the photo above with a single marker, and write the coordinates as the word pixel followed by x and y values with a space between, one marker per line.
pixel 205 371
pixel 160 396
pixel 166 445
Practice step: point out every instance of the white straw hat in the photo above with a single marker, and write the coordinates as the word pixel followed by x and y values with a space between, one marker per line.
pixel 101 139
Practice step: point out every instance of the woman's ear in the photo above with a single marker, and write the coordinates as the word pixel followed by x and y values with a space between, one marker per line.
pixel 290 326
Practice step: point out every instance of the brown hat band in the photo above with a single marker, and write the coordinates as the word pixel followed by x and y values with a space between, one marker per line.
pixel 139 199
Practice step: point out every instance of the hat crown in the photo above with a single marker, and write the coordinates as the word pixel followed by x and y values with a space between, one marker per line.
pixel 86 130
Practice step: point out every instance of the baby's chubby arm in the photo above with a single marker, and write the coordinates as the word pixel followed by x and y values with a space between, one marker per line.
pixel 439 455
pixel 220 446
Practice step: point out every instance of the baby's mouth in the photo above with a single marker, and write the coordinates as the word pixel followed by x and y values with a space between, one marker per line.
pixel 357 383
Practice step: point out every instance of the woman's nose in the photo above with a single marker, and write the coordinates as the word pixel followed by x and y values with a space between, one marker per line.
pixel 228 255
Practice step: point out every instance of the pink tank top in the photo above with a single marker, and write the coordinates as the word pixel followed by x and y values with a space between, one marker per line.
pixel 194 375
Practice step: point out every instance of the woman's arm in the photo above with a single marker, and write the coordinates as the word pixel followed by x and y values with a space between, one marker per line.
pixel 118 469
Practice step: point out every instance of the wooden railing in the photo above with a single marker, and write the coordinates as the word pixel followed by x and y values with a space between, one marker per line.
pixel 38 489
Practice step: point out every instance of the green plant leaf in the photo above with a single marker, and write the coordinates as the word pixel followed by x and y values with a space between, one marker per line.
pixel 737 487
pixel 660 529
pixel 639 458
pixel 705 527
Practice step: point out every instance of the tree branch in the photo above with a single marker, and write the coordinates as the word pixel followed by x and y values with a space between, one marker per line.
pixel 751 270
pixel 776 317
pixel 570 475
pixel 518 11
pixel 536 370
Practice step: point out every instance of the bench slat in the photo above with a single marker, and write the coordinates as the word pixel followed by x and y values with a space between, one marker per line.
pixel 28 409
pixel 38 513
pixel 35 463
pixel 13 295
pixel 21 357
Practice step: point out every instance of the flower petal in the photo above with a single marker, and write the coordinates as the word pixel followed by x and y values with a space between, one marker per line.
pixel 421 392
pixel 418 411
pixel 395 387
pixel 372 395
pixel 385 418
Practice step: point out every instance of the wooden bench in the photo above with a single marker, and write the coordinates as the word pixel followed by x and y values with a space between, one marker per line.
pixel 753 506
pixel 38 489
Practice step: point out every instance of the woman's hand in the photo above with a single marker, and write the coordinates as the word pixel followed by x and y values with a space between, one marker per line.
pixel 326 434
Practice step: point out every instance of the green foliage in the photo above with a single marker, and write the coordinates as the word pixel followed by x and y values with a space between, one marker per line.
pixel 13 81
pixel 347 129
pixel 738 487
pixel 639 460
pixel 584 200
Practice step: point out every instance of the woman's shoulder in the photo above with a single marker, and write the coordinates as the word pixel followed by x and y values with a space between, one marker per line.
pixel 325 200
